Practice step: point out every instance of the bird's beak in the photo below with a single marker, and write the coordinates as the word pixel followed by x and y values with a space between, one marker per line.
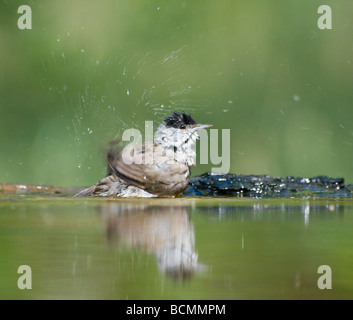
pixel 202 126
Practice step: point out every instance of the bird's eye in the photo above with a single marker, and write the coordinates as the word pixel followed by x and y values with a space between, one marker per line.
pixel 182 126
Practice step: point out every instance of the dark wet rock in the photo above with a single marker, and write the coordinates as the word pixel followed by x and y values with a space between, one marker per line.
pixel 256 186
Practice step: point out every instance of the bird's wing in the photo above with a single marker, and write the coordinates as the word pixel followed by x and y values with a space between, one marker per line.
pixel 150 168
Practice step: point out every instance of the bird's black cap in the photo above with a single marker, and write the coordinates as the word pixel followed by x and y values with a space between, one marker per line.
pixel 177 118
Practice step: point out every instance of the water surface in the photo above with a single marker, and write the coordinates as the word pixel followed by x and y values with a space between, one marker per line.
pixel 187 248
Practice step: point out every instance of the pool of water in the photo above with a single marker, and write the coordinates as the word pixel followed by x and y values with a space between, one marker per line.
pixel 186 248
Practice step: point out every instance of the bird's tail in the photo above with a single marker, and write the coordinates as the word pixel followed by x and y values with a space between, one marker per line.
pixel 86 192
pixel 108 186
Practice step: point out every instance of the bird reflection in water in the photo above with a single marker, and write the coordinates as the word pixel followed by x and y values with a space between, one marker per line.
pixel 165 231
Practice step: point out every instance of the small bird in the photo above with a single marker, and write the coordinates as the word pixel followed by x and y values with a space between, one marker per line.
pixel 158 168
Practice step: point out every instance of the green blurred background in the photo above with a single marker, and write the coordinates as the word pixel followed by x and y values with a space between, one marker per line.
pixel 89 69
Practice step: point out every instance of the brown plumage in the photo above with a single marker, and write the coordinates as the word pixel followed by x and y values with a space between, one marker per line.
pixel 156 168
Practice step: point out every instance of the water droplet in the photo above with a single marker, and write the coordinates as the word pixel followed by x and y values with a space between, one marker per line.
pixel 230 101
pixel 128 92
pixel 296 98
pixel 58 40
pixel 90 131
pixel 158 8
pixel 82 50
